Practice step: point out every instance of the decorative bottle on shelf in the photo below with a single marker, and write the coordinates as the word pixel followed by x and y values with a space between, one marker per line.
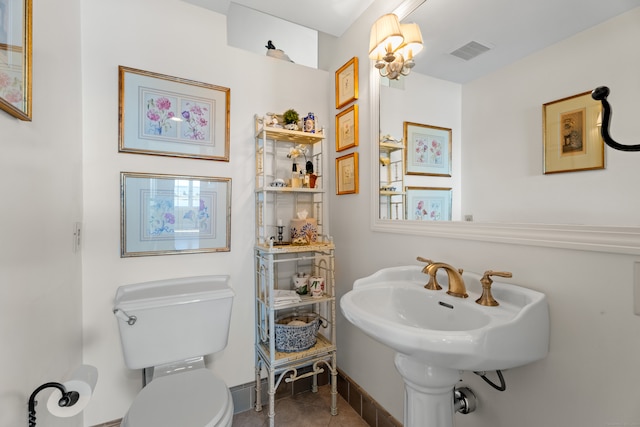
pixel 309 123
pixel 295 177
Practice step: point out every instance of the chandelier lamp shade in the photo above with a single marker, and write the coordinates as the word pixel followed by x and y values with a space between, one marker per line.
pixel 393 46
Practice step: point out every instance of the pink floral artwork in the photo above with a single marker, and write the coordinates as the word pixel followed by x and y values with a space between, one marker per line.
pixel 196 124
pixel 11 89
pixel 429 209
pixel 165 214
pixel 428 150
pixel 176 118
pixel 159 115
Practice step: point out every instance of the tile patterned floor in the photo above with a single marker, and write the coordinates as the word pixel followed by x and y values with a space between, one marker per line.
pixel 303 410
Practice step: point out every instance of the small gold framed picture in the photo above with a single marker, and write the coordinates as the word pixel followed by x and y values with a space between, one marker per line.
pixel 347 128
pixel 347 83
pixel 572 140
pixel 347 174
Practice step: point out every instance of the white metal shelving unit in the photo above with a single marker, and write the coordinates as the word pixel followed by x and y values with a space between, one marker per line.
pixel 392 202
pixel 276 261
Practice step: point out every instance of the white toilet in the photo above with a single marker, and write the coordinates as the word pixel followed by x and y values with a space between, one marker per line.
pixel 170 325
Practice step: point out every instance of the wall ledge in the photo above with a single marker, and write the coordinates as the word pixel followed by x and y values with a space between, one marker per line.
pixel 607 239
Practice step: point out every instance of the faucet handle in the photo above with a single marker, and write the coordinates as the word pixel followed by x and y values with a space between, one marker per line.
pixel 426 268
pixel 486 298
pixel 489 273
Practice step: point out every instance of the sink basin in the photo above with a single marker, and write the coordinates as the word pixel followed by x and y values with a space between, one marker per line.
pixel 393 307
pixel 436 335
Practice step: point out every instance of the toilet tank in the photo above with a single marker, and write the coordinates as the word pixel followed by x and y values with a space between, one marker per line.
pixel 175 319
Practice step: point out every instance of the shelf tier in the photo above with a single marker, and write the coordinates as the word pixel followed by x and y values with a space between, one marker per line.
pixel 296 136
pixel 288 190
pixel 391 193
pixel 322 347
pixel 388 147
pixel 305 300
pixel 290 249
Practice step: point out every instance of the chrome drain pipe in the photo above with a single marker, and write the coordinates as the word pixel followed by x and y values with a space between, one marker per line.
pixel 464 400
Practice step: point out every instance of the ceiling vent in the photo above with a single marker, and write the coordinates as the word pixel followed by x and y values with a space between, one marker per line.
pixel 470 50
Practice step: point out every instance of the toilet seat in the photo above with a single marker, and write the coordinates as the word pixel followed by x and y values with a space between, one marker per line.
pixel 194 398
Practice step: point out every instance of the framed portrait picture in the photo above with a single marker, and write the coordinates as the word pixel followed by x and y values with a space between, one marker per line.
pixel 572 140
pixel 427 150
pixel 347 174
pixel 347 83
pixel 347 128
pixel 171 116
pixel 174 214
pixel 15 58
pixel 428 203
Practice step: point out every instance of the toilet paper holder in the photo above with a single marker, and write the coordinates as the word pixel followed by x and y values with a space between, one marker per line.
pixel 76 391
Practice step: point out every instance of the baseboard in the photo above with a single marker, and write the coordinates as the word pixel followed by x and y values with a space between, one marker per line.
pixel 370 410
pixel 114 423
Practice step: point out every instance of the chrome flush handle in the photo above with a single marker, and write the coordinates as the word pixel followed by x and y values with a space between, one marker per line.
pixel 131 320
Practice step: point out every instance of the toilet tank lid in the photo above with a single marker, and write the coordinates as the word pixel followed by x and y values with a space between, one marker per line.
pixel 173 291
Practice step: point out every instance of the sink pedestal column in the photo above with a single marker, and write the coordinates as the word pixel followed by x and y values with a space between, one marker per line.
pixel 428 398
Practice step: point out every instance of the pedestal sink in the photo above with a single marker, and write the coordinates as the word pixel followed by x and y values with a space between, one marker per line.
pixel 436 335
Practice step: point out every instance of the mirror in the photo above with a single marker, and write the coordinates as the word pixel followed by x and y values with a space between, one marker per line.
pixel 420 144
pixel 437 103
pixel 518 208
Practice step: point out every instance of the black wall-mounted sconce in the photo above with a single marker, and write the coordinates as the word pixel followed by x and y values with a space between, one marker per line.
pixel 600 94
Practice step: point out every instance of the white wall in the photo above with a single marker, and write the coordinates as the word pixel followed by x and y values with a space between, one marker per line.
pixel 182 40
pixel 72 143
pixel 40 167
pixel 584 381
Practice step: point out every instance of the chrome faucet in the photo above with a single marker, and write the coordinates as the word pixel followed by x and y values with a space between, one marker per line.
pixel 456 282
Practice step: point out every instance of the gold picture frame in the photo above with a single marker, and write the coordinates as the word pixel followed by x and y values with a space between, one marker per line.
pixel 347 128
pixel 427 150
pixel 171 116
pixel 347 174
pixel 347 83
pixel 163 214
pixel 15 58
pixel 428 203
pixel 571 139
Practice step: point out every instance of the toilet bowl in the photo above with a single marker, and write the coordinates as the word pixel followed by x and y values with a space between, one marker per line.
pixel 196 398
pixel 169 326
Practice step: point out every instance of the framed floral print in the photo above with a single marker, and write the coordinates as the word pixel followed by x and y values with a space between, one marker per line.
pixel 428 203
pixel 15 58
pixel 572 140
pixel 427 150
pixel 347 83
pixel 173 214
pixel 347 174
pixel 347 128
pixel 171 116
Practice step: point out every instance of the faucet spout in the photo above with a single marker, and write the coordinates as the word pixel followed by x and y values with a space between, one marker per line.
pixel 456 282
pixel 433 283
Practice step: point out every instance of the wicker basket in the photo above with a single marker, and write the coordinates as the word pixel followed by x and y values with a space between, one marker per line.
pixel 290 338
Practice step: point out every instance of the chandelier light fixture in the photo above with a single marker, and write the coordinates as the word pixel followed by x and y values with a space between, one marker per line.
pixel 393 45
